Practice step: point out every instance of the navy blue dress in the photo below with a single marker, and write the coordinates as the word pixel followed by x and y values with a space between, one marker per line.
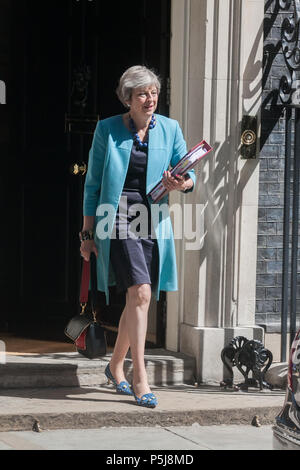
pixel 134 253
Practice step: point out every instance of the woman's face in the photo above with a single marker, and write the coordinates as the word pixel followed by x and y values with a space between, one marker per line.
pixel 144 101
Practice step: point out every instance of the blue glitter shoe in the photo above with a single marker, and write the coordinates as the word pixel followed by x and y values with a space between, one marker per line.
pixel 148 400
pixel 123 387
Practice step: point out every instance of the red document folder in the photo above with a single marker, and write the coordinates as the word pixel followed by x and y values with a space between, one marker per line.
pixel 191 159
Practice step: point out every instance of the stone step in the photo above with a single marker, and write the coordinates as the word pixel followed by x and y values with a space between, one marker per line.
pixel 72 370
pixel 94 407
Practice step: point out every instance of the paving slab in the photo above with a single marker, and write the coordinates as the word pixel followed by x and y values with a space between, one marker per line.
pixel 93 407
pixel 182 438
pixel 227 437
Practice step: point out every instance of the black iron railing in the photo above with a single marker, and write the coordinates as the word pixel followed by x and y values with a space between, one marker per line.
pixel 289 92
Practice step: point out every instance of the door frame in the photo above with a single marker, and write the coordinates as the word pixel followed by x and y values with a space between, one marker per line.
pixel 179 74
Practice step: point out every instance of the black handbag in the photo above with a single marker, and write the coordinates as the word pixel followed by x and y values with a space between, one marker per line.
pixel 84 329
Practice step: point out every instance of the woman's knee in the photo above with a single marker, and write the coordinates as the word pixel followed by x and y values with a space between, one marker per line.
pixel 139 294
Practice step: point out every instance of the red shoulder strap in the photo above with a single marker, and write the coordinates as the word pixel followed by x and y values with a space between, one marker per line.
pixel 85 281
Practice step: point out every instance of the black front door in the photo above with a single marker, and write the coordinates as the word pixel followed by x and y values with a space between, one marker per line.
pixel 66 58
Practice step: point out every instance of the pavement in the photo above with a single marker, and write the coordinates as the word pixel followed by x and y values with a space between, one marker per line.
pixel 186 441
pixel 95 407
pixel 89 403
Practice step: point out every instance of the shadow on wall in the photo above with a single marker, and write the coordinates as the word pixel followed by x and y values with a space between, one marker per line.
pixel 271 109
pixel 224 179
pixel 222 182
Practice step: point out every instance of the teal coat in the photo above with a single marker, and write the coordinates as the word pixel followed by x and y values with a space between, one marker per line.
pixel 107 168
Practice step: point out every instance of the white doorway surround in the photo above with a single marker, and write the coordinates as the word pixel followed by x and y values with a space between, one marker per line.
pixel 216 72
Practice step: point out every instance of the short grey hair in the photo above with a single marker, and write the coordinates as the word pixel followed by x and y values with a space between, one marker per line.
pixel 136 77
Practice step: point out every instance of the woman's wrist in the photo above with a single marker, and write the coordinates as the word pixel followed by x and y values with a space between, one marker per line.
pixel 88 223
pixel 86 235
pixel 188 184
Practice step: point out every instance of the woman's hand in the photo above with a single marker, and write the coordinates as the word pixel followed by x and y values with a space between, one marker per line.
pixel 87 247
pixel 179 182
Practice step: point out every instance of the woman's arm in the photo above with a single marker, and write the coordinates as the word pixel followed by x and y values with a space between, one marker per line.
pixel 88 223
pixel 92 189
pixel 88 246
pixel 92 186
pixel 180 183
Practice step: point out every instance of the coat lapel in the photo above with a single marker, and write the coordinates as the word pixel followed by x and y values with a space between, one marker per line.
pixel 121 150
pixel 157 154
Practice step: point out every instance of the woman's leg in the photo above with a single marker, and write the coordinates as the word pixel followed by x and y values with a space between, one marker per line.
pixel 136 315
pixel 132 333
pixel 121 348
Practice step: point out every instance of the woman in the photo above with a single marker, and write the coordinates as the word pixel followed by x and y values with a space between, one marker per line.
pixel 130 154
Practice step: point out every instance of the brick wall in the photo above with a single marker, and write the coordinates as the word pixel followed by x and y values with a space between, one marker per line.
pixel 271 188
